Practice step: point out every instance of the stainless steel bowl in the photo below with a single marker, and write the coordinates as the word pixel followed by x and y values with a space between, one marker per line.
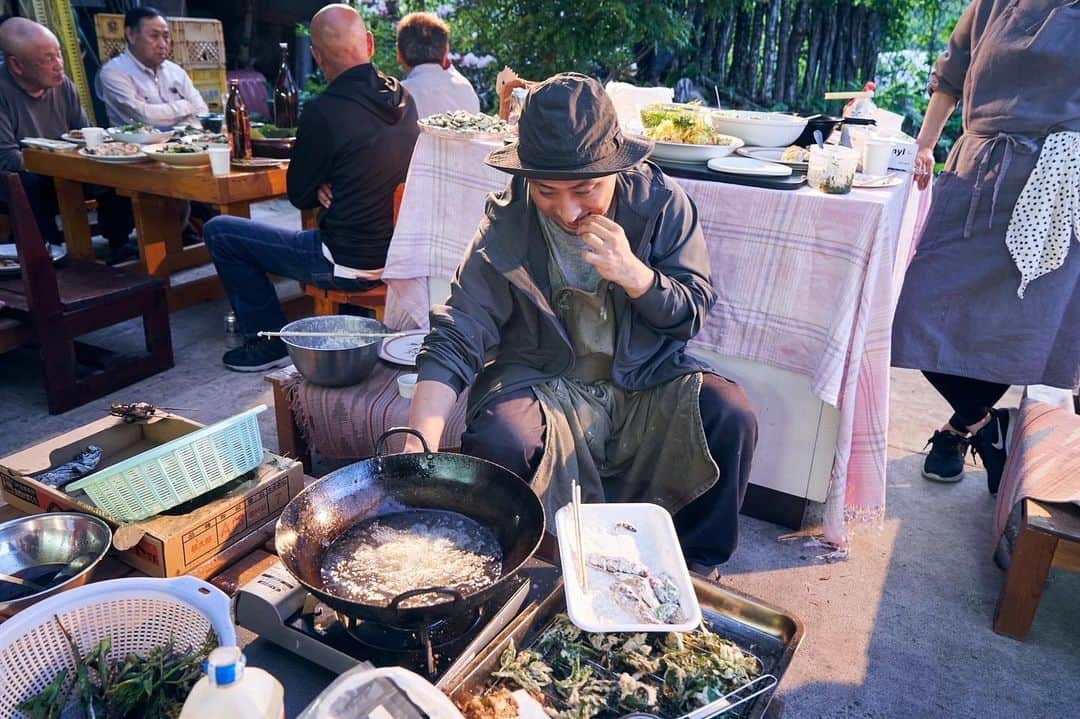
pixel 333 362
pixel 38 546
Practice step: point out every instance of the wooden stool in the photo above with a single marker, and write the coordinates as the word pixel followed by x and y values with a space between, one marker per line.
pixel 1049 536
pixel 329 302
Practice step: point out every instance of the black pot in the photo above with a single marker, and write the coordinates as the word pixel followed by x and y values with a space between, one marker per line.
pixel 485 492
pixel 278 147
pixel 826 123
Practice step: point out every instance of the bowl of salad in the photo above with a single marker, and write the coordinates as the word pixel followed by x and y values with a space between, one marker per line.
pixel 272 141
pixel 180 154
pixel 139 133
pixel 682 133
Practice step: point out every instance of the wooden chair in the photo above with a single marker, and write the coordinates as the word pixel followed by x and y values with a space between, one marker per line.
pixel 55 305
pixel 329 302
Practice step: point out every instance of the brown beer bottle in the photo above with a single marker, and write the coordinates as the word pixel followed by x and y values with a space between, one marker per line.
pixel 236 122
pixel 286 97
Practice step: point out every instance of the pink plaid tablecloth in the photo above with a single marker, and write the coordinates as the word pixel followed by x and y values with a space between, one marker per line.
pixel 806 282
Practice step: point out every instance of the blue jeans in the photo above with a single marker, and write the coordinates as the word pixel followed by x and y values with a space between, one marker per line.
pixel 245 252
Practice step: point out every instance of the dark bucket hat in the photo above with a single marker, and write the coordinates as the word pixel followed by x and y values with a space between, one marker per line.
pixel 569 130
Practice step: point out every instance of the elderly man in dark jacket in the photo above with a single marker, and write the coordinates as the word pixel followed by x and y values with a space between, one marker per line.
pixel 569 318
pixel 352 150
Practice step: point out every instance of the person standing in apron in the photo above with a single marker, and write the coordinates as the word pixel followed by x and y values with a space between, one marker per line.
pixel 569 318
pixel 990 299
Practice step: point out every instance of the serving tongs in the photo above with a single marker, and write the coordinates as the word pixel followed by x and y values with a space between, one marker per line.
pixel 335 335
pixel 720 706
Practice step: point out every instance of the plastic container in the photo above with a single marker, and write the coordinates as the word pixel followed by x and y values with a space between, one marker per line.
pixel 174 472
pixel 406 385
pixel 831 169
pixel 232 689
pixel 654 544
pixel 365 692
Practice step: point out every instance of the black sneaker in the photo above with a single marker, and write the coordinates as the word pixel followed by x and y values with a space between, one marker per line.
pixel 945 461
pixel 257 355
pixel 991 444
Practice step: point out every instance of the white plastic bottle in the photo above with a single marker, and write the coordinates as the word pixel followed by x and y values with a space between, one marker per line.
pixel 231 690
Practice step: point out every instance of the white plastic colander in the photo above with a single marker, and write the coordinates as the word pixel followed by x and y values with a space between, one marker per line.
pixel 137 614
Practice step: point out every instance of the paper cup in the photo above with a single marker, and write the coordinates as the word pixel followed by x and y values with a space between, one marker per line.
pixel 876 156
pixel 93 136
pixel 219 159
pixel 406 385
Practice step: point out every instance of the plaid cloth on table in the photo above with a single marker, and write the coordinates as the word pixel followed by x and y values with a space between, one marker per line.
pixel 806 282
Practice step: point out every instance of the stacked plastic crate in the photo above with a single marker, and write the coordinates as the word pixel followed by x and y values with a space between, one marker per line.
pixel 198 46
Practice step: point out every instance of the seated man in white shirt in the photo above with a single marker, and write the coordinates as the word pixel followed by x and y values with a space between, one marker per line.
pixel 423 50
pixel 141 84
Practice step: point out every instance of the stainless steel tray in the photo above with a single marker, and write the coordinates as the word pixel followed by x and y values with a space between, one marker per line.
pixel 769 633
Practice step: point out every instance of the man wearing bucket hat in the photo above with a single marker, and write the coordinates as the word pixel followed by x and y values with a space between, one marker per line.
pixel 568 319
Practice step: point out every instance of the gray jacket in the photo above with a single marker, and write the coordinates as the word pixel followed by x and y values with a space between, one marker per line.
pixel 498 325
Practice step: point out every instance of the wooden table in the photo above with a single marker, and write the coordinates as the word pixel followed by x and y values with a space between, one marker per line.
pixel 156 192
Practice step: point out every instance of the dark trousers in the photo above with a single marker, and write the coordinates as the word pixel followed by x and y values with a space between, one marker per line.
pixel 510 431
pixel 969 398
pixel 115 221
pixel 246 252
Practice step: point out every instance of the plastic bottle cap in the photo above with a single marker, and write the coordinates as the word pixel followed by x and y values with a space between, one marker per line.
pixel 225 666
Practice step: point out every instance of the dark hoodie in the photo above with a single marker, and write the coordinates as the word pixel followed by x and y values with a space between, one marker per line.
pixel 358 137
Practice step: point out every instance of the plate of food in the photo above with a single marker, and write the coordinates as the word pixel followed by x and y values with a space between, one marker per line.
pixel 75 136
pixel 795 157
pixel 682 134
pixel 178 154
pixel 403 348
pixel 44 143
pixel 636 575
pixel 9 258
pixel 257 163
pixel 139 133
pixel 461 125
pixel 115 152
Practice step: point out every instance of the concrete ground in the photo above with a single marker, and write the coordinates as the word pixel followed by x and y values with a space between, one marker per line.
pixel 900 629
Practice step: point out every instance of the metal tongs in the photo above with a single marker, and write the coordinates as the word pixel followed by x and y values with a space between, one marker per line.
pixel 575 509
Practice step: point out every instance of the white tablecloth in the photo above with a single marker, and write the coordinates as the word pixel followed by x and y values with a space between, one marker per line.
pixel 806 282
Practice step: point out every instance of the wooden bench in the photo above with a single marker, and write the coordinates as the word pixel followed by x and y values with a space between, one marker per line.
pixel 1049 536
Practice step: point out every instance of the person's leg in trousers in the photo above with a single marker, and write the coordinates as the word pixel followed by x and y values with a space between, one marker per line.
pixel 115 223
pixel 509 432
pixel 42 197
pixel 969 398
pixel 708 527
pixel 246 252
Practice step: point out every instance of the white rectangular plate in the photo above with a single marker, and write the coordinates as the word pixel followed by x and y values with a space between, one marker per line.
pixel 654 545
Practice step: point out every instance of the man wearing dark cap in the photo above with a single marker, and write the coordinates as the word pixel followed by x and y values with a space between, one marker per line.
pixel 568 319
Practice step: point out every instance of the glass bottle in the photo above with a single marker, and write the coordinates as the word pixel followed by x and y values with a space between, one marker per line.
pixel 237 123
pixel 286 97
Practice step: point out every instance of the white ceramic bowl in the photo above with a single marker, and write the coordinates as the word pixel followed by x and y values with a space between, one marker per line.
pixel 760 129
pixel 147 137
pixel 682 152
pixel 185 159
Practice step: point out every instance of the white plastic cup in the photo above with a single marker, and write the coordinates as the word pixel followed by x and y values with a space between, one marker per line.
pixel 219 159
pixel 406 385
pixel 93 136
pixel 876 155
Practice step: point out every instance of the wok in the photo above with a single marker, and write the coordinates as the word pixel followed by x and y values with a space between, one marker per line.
pixel 481 490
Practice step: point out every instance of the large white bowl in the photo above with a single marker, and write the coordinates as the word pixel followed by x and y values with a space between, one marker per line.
pixel 147 137
pixel 682 152
pixel 761 129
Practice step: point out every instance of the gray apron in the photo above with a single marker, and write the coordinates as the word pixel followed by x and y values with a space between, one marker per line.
pixel 646 446
pixel 958 311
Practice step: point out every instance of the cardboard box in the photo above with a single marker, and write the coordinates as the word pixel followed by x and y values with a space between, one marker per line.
pixel 164 545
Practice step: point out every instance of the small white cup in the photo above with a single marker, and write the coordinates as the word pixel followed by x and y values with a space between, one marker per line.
pixel 93 136
pixel 406 385
pixel 219 159
pixel 876 155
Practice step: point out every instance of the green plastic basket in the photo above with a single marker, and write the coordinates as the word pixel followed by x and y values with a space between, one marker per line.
pixel 179 470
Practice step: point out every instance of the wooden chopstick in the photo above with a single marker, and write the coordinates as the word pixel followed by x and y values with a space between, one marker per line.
pixel 582 572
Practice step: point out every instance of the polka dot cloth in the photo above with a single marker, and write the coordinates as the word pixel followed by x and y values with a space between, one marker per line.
pixel 1047 213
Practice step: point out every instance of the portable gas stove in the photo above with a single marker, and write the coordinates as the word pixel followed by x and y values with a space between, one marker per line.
pixel 276 606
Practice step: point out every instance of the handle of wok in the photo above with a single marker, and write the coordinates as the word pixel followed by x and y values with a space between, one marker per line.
pixel 447 591
pixel 397 430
